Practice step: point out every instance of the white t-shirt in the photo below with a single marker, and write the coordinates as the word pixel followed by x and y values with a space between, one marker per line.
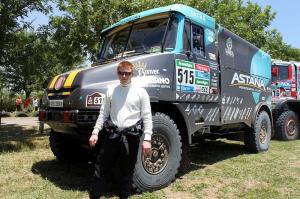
pixel 126 105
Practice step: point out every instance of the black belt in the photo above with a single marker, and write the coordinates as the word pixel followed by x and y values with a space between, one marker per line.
pixel 117 133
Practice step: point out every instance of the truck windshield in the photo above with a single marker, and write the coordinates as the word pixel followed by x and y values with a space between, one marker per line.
pixel 141 38
pixel 283 73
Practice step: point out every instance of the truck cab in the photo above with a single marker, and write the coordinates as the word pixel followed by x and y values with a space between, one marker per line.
pixel 202 80
pixel 284 80
pixel 285 99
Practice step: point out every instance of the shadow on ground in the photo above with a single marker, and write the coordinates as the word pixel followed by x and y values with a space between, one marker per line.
pixel 207 153
pixel 76 176
pixel 79 176
pixel 15 137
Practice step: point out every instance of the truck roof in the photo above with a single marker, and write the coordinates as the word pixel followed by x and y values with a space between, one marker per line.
pixel 187 11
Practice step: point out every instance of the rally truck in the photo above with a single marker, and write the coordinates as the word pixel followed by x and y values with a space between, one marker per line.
pixel 202 79
pixel 285 99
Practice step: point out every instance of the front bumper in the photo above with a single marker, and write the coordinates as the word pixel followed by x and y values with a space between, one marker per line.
pixel 69 121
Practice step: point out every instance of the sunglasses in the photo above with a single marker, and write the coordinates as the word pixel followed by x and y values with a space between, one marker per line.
pixel 124 73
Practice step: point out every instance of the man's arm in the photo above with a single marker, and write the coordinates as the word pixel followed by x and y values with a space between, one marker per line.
pixel 146 115
pixel 147 121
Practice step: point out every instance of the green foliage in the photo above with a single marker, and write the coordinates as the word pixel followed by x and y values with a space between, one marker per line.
pixel 79 29
pixel 32 60
pixel 12 13
pixel 8 103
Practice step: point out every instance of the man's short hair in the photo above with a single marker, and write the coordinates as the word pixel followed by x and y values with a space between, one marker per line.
pixel 125 64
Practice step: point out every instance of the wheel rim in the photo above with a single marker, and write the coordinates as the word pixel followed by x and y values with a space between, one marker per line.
pixel 159 155
pixel 291 127
pixel 263 135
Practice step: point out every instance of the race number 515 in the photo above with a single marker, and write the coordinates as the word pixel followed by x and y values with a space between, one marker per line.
pixel 185 76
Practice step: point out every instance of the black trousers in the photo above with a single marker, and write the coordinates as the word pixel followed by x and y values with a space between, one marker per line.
pixel 114 151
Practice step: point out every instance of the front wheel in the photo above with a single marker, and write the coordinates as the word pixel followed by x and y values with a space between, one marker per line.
pixel 258 139
pixel 159 168
pixel 287 126
pixel 66 149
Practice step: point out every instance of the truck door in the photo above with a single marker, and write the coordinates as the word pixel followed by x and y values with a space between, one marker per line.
pixel 197 75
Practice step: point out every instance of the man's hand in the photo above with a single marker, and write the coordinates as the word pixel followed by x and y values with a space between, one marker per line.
pixel 146 147
pixel 93 140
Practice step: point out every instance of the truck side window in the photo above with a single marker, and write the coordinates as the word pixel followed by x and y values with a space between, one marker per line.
pixel 198 40
pixel 187 37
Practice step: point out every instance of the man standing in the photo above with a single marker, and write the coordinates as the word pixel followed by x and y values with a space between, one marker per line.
pixel 125 109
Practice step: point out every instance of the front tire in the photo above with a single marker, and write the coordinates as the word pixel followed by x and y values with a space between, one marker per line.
pixel 160 168
pixel 66 149
pixel 287 126
pixel 258 139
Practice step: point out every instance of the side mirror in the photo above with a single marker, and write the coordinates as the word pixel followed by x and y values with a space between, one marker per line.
pixel 275 71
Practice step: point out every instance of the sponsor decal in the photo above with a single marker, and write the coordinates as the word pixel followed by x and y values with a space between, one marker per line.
pixel 247 82
pixel 212 56
pixel 202 89
pixel 284 84
pixel 185 64
pixel 213 65
pixel 228 49
pixel 210 35
pixel 142 69
pixel 94 100
pixel 202 75
pixel 192 77
pixel 152 76
pixel 202 67
pixel 202 82
pixel 185 88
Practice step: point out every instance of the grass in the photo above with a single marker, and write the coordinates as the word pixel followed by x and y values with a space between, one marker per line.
pixel 218 169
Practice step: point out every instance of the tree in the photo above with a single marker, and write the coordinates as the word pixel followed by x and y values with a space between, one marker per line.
pixel 31 61
pixel 12 13
pixel 79 29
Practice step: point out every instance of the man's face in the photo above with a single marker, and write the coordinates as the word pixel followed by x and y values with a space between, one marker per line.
pixel 125 74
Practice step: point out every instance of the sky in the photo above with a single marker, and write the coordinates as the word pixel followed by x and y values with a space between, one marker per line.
pixel 286 21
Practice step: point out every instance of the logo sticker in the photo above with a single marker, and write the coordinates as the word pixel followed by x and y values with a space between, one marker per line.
pixel 94 100
pixel 247 82
pixel 228 49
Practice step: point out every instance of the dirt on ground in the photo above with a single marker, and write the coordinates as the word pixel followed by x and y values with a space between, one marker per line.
pixel 25 122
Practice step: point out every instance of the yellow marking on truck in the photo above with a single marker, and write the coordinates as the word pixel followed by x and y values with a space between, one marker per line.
pixel 51 85
pixel 70 78
pixel 66 93
pixel 63 93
